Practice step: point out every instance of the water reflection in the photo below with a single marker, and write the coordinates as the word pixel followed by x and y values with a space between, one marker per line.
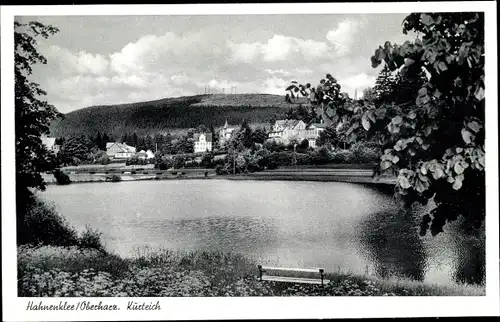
pixel 390 239
pixel 470 252
pixel 339 226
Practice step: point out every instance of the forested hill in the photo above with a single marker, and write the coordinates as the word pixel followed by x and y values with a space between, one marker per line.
pixel 171 113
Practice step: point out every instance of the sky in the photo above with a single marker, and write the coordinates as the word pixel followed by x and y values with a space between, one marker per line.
pixel 98 60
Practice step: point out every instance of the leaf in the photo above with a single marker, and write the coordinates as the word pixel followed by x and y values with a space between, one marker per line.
pixel 365 122
pixel 412 115
pixel 395 159
pixel 458 168
pixel 479 93
pixel 427 130
pixel 419 186
pixel 371 116
pixel 422 91
pixel 426 19
pixel 397 120
pixel 474 126
pixel 457 184
pixel 384 165
pixel 437 173
pixel 403 182
pixel 467 136
pixel 442 66
pixel 393 128
pixel 481 160
pixel 423 169
pixel 459 150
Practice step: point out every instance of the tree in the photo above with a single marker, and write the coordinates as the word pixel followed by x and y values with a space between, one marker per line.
pixel 76 150
pixel 450 104
pixel 202 129
pixel 32 115
pixel 328 136
pixel 301 113
pixel 259 135
pixel 245 135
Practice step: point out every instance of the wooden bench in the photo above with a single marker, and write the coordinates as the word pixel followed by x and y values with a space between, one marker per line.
pixel 306 280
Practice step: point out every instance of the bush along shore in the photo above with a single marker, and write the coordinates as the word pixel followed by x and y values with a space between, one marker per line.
pixel 79 265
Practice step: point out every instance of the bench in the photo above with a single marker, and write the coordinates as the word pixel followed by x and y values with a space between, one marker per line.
pixel 306 280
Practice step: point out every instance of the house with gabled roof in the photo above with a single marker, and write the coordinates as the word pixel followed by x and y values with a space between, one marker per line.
pixel 117 150
pixel 202 142
pixel 313 131
pixel 285 131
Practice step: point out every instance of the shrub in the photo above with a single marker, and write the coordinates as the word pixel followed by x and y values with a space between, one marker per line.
pixel 113 178
pixel 321 156
pixel 43 225
pixel 135 160
pixel 61 177
pixel 364 152
pixel 91 238
pixel 219 170
pixel 342 156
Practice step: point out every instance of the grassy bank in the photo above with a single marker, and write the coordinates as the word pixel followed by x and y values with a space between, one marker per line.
pixel 76 271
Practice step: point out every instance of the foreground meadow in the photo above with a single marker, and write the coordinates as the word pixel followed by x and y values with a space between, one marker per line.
pixel 54 271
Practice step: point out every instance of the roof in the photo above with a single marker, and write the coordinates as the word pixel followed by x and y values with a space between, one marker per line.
pixel 287 123
pixel 48 141
pixel 122 146
pixel 319 125
pixel 208 136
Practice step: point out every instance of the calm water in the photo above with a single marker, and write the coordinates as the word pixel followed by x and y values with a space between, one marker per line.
pixel 340 226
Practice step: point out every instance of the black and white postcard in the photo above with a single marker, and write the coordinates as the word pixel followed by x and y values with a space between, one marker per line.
pixel 248 161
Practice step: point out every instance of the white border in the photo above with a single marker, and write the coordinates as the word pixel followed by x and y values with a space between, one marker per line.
pixel 255 308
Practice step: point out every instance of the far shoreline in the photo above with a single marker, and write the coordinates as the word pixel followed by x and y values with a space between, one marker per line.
pixel 384 182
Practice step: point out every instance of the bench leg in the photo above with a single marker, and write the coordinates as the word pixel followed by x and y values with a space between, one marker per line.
pixel 260 272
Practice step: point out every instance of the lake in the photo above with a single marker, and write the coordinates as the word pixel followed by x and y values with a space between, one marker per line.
pixel 339 226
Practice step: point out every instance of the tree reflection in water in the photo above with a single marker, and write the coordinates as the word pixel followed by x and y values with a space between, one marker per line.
pixel 390 240
pixel 471 254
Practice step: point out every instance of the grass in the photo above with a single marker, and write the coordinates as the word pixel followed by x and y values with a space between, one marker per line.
pixel 63 271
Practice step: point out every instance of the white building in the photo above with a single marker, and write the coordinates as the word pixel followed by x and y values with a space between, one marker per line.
pixel 225 134
pixel 313 131
pixel 285 131
pixel 118 150
pixel 202 142
pixel 50 144
pixel 145 155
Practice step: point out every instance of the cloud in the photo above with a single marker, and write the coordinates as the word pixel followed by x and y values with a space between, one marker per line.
pixel 343 35
pixel 78 63
pixel 180 63
pixel 277 71
pixel 244 52
pixel 274 85
pixel 278 48
pixel 357 82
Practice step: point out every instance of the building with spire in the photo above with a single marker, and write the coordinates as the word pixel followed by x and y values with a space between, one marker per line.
pixel 225 134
